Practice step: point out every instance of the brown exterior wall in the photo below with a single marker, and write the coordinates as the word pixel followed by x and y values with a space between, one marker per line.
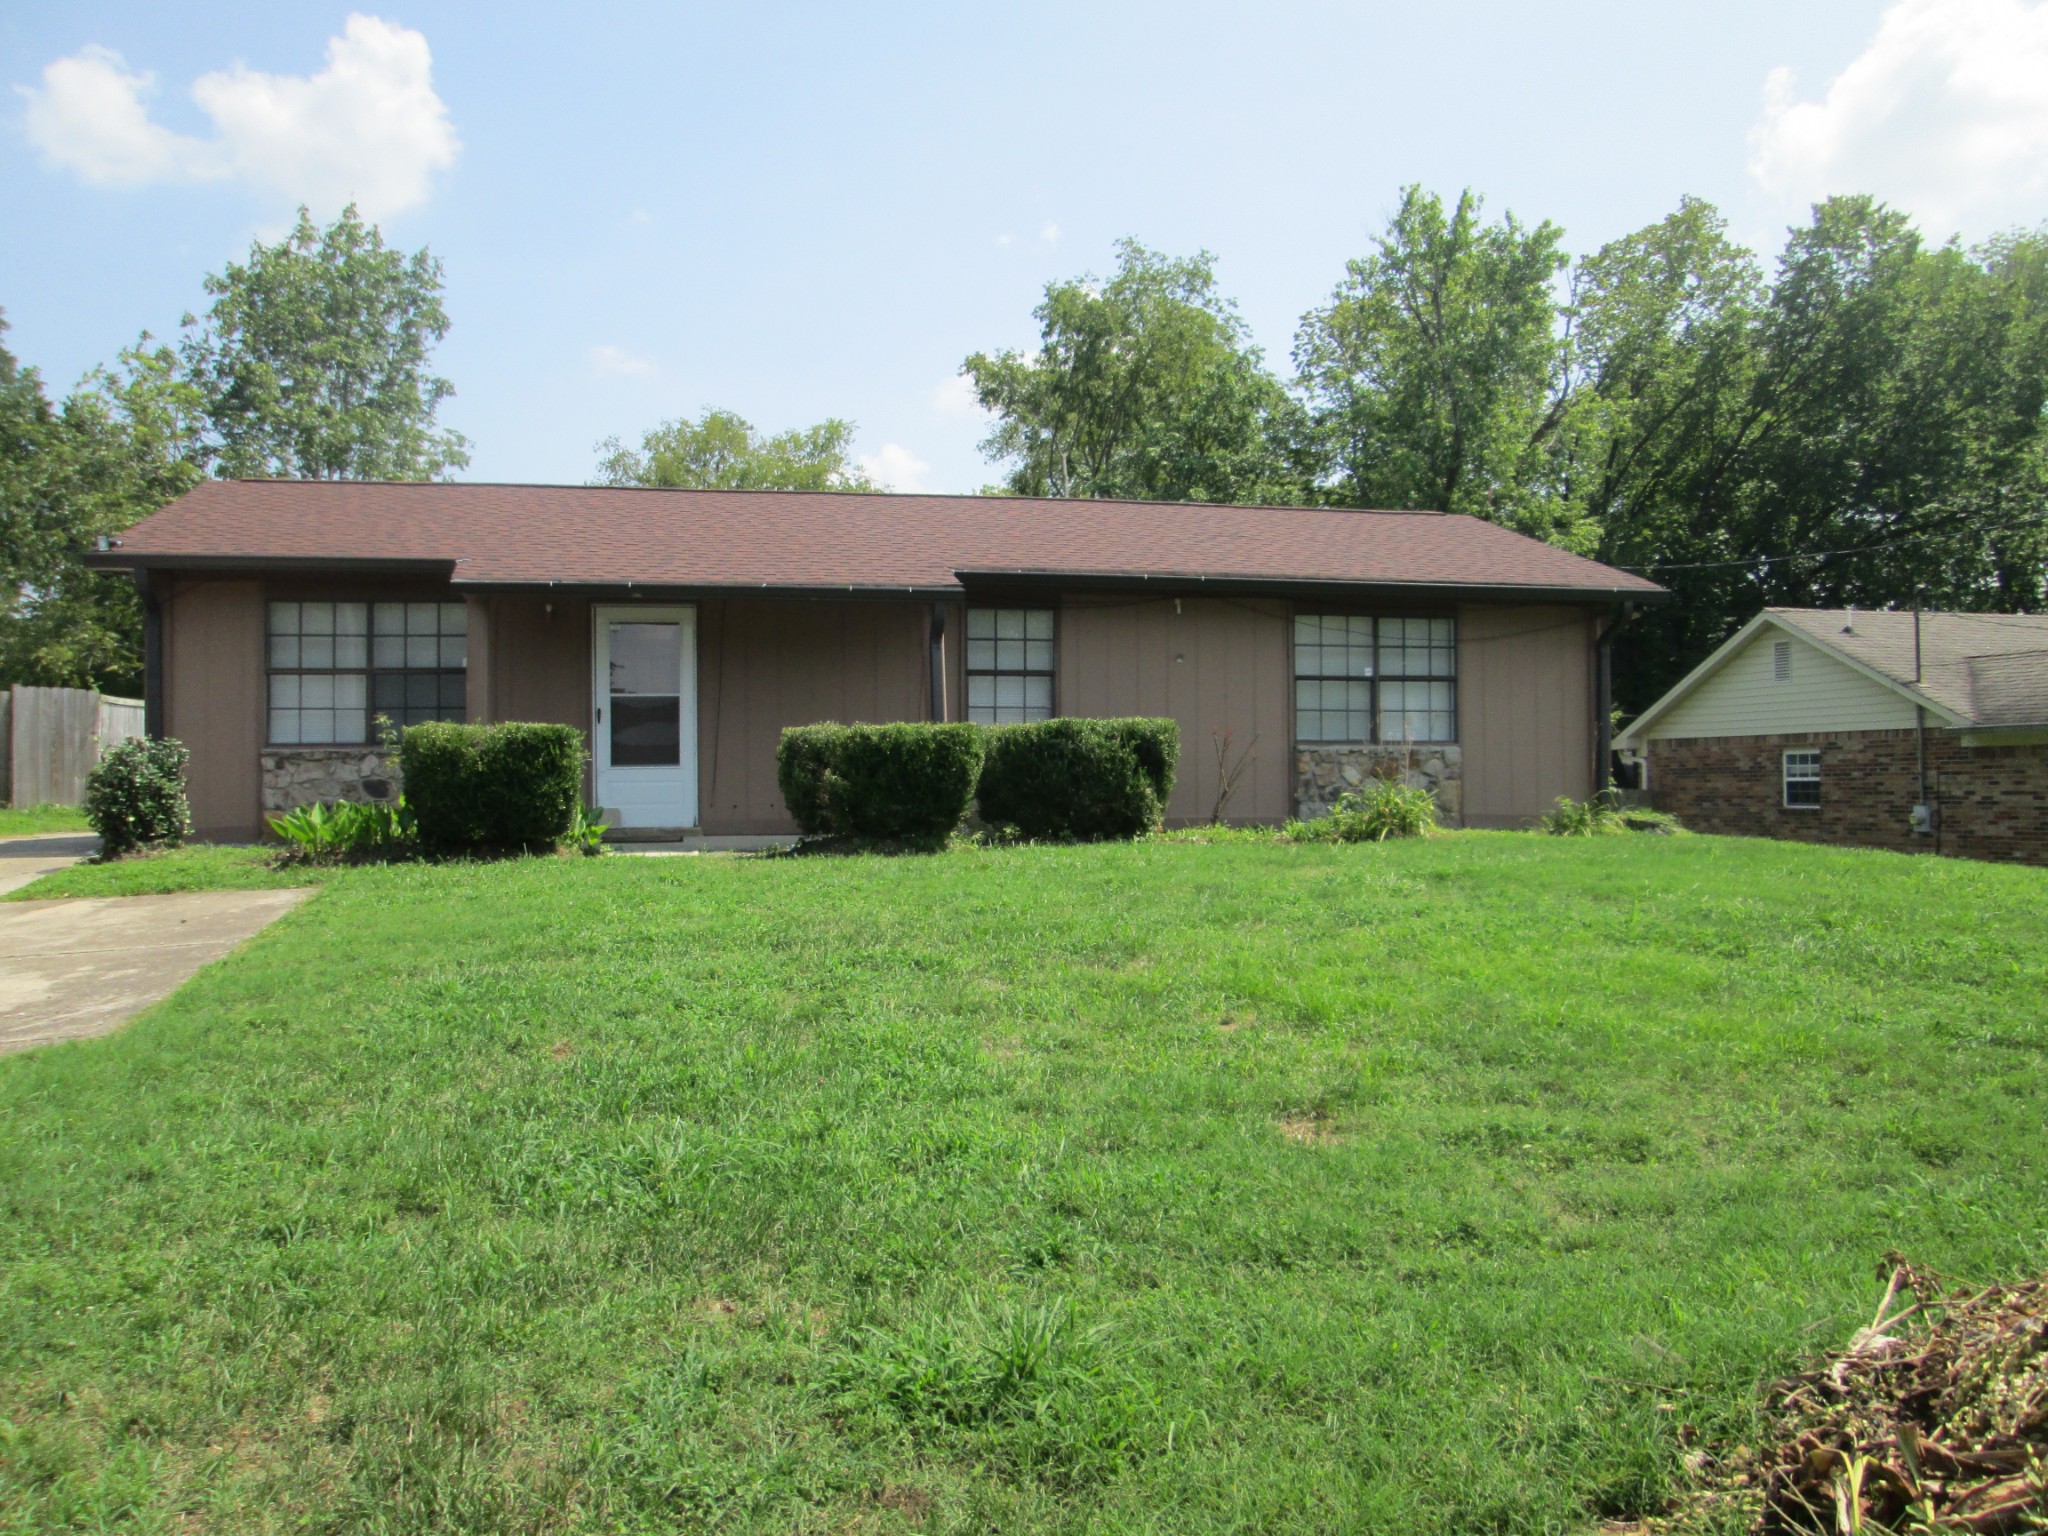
pixel 1993 800
pixel 1209 663
pixel 213 683
pixel 1525 688
pixel 763 664
pixel 1525 710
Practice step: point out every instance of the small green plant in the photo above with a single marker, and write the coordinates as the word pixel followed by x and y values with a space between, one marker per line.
pixel 345 829
pixel 1372 813
pixel 135 797
pixel 1602 817
pixel 587 830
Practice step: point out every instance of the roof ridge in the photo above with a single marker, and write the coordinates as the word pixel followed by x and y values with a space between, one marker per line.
pixel 977 497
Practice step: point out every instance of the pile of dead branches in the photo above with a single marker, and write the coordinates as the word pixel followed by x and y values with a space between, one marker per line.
pixel 1935 1418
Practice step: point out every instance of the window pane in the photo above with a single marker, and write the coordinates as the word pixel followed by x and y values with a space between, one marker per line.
pixel 350 690
pixel 646 658
pixel 316 651
pixel 1010 655
pixel 981 655
pixel 646 733
pixel 284 691
pixel 422 690
pixel 284 650
pixel 422 650
pixel 454 695
pixel 981 624
pixel 351 618
pixel 422 618
pixel 1038 655
pixel 388 618
pixel 1009 692
pixel 1038 697
pixel 316 690
pixel 284 726
pixel 389 694
pixel 351 650
pixel 388 650
pixel 1038 623
pixel 1009 623
pixel 316 618
pixel 454 651
pixel 981 692
pixel 455 618
pixel 284 618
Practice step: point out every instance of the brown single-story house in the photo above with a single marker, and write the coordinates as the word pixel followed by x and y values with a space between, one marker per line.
pixel 683 630
pixel 1923 732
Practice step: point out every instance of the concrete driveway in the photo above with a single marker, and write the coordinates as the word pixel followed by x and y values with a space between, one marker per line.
pixel 76 967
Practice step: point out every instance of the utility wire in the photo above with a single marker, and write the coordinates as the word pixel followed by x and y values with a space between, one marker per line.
pixel 1813 554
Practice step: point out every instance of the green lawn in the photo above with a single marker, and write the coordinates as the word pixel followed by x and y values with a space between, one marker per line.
pixel 199 867
pixel 1413 1188
pixel 24 820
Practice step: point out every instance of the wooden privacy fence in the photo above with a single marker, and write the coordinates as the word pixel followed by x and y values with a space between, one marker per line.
pixel 52 737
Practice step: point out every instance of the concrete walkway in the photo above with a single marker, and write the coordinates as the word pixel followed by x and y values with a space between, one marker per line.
pixel 71 968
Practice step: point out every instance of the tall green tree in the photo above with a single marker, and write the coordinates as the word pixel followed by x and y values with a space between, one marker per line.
pixel 128 440
pixel 313 359
pixel 1432 372
pixel 1145 386
pixel 722 451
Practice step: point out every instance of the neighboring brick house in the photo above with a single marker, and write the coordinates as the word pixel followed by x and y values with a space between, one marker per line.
pixel 1925 733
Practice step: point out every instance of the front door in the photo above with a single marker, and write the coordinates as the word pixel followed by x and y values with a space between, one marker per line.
pixel 644 734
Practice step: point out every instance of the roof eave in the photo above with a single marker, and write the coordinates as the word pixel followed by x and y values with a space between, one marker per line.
pixel 1170 583
pixel 146 560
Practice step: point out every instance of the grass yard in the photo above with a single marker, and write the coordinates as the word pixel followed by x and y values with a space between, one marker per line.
pixel 1431 1187
pixel 26 820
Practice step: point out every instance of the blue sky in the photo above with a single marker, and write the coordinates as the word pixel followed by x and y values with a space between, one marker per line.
pixel 802 211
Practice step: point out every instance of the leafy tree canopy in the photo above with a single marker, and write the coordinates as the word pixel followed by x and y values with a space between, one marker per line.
pixel 1145 386
pixel 312 360
pixel 722 451
pixel 1431 370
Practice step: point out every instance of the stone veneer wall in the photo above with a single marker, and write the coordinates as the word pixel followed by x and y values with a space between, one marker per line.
pixel 1321 774
pixel 296 776
pixel 1993 800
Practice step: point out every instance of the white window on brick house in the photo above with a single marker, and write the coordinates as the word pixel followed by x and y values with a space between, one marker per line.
pixel 334 667
pixel 1009 665
pixel 1802 780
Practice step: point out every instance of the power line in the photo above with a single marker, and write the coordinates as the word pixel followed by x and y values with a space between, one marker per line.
pixel 1812 554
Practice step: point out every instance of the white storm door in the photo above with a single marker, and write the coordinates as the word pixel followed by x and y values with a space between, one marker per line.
pixel 643 693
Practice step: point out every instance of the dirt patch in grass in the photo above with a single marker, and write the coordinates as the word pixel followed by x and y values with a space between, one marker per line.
pixel 1310 1129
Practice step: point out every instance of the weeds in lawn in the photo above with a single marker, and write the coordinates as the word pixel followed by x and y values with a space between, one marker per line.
pixel 1377 810
pixel 1603 817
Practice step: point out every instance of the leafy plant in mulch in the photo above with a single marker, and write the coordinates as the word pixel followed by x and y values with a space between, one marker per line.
pixel 1933 1419
pixel 1377 810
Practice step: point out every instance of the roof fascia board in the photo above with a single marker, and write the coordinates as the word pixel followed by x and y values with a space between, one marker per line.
pixel 121 560
pixel 1716 659
pixel 637 591
pixel 1183 585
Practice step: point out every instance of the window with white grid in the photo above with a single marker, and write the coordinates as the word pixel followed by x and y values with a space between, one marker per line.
pixel 1363 679
pixel 1802 780
pixel 335 666
pixel 1009 665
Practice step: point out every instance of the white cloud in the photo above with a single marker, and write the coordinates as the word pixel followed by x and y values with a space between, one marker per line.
pixel 616 362
pixel 368 127
pixel 955 397
pixel 895 467
pixel 1943 114
pixel 1003 239
pixel 1050 233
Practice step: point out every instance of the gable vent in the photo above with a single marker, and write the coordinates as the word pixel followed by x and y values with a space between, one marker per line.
pixel 1781 660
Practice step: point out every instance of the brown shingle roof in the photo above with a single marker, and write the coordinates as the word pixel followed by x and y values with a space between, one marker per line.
pixel 603 537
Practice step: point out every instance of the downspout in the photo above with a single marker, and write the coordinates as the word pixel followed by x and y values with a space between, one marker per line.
pixel 1603 700
pixel 938 663
pixel 1924 817
pixel 152 658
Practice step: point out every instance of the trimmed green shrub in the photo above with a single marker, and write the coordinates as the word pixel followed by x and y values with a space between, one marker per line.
pixel 1372 813
pixel 135 796
pixel 910 782
pixel 1079 779
pixel 491 788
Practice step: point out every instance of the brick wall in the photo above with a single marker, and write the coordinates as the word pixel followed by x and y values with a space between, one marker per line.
pixel 1993 800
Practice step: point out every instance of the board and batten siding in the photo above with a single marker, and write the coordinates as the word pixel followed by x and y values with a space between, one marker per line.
pixel 1211 664
pixel 214 698
pixel 1746 697
pixel 1525 710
